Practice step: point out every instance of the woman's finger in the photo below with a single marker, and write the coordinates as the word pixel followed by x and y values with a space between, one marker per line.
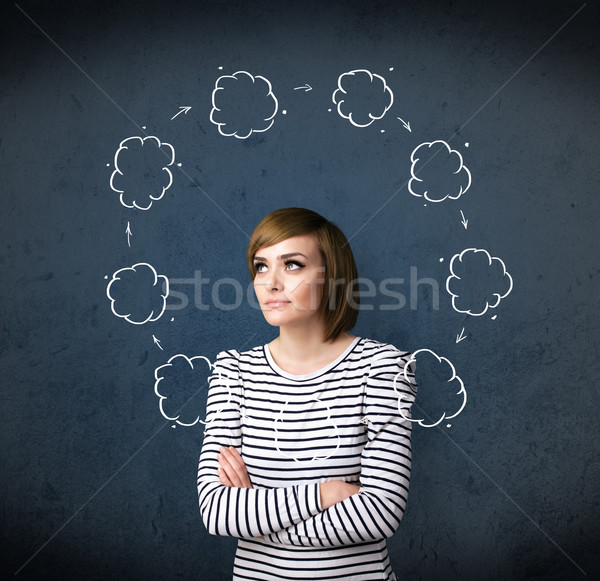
pixel 234 461
pixel 223 477
pixel 229 470
pixel 235 454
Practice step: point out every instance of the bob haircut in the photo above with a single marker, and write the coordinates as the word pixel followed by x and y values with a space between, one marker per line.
pixel 340 304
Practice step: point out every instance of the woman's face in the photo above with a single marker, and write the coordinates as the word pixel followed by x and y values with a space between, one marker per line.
pixel 289 280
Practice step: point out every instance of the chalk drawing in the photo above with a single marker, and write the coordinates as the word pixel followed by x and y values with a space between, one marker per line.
pixel 477 281
pixel 451 391
pixel 326 422
pixel 136 295
pixel 142 173
pixel 405 123
pixel 243 104
pixel 179 381
pixel 437 172
pixel 362 97
pixel 183 110
pixel 461 336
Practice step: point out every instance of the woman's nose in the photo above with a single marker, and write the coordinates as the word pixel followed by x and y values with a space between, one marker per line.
pixel 275 281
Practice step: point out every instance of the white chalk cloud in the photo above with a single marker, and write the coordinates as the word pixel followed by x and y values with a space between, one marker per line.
pixel 445 392
pixel 142 173
pixel 138 293
pixel 477 281
pixel 243 104
pixel 181 385
pixel 289 418
pixel 362 97
pixel 437 172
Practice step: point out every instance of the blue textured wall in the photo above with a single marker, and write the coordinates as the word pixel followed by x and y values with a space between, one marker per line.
pixel 95 482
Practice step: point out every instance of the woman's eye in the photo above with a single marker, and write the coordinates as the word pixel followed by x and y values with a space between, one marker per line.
pixel 295 263
pixel 259 265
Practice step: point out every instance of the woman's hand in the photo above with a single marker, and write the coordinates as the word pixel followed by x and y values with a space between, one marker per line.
pixel 232 471
pixel 335 491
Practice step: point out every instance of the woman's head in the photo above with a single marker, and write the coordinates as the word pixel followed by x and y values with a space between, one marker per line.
pixel 323 281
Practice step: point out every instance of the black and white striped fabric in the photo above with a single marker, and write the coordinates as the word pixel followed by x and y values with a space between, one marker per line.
pixel 346 421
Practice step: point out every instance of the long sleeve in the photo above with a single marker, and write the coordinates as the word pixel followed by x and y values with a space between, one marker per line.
pixel 241 512
pixel 375 512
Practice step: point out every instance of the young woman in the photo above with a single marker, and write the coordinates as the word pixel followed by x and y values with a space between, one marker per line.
pixel 306 455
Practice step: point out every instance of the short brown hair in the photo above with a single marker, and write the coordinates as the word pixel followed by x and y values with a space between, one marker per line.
pixel 340 269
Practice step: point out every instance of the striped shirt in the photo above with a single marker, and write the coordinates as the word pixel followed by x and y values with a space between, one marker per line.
pixel 346 421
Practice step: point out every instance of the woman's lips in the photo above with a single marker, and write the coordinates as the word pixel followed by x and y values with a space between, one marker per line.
pixel 274 304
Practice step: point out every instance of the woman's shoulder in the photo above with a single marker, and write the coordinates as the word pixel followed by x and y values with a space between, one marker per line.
pixel 381 349
pixel 231 354
pixel 232 357
pixel 227 362
pixel 390 364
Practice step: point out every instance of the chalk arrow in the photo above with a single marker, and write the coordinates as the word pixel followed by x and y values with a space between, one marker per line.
pixel 184 110
pixel 460 337
pixel 306 88
pixel 407 125
pixel 157 341
pixel 464 222
pixel 128 232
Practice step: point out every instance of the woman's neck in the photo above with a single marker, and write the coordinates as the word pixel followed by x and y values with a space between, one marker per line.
pixel 306 346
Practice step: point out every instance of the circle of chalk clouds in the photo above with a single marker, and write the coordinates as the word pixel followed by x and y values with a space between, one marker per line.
pixel 116 176
pixel 342 96
pixel 466 279
pixel 138 270
pixel 405 405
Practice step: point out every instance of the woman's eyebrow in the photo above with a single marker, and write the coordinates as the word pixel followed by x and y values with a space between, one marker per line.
pixel 283 256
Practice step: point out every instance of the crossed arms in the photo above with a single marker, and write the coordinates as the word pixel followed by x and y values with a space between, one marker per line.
pixel 317 513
